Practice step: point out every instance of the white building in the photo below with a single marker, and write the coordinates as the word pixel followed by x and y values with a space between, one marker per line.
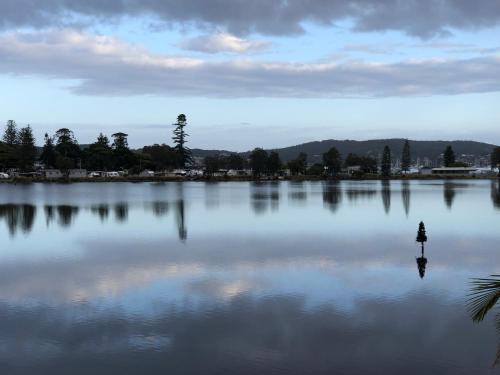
pixel 52 173
pixel 77 173
pixel 454 171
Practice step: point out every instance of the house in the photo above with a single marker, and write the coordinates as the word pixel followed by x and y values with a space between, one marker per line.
pixel 352 169
pixel 52 174
pixel 425 171
pixel 146 173
pixel 111 174
pixel 77 173
pixel 454 171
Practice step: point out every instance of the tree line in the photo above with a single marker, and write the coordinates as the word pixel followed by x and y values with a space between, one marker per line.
pixel 62 151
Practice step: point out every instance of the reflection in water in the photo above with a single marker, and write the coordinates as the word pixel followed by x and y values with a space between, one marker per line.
pixel 160 208
pixel 484 295
pixel 405 195
pixel 121 212
pixel 298 191
pixel 495 193
pixel 102 210
pixel 449 193
pixel 18 216
pixel 422 260
pixel 65 214
pixel 332 195
pixel 386 195
pixel 263 196
pixel 180 219
pixel 355 194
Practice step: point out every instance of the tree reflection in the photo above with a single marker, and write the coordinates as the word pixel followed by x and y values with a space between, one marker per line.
pixel 121 212
pixel 160 208
pixel 18 217
pixel 483 296
pixel 405 195
pixel 181 220
pixel 449 193
pixel 495 193
pixel 332 195
pixel 102 210
pixel 422 260
pixel 66 214
pixel 263 196
pixel 386 195
pixel 180 213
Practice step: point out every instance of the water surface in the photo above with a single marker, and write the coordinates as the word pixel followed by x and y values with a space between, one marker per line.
pixel 246 278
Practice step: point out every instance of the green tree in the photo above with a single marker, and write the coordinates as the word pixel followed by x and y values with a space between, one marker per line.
pixel 100 154
pixel 235 161
pixel 298 165
pixel 49 154
pixel 449 157
pixel 11 141
pixel 273 162
pixel 406 157
pixel 386 163
pixel 495 158
pixel 213 163
pixel 124 158
pixel 316 169
pixel 332 160
pixel 26 149
pixel 10 135
pixel 162 157
pixel 66 145
pixel 258 161
pixel 179 138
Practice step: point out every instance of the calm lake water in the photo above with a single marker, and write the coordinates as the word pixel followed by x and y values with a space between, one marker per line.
pixel 246 278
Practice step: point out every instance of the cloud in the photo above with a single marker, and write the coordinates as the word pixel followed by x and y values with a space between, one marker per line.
pixel 421 18
pixel 107 66
pixel 222 42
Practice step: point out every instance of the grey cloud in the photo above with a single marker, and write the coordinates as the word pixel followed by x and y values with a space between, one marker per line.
pixel 106 66
pixel 422 18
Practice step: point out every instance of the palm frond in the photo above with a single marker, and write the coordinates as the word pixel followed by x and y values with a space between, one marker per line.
pixel 485 293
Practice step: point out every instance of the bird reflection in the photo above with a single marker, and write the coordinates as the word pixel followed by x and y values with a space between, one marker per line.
pixel 449 194
pixel 332 195
pixel 405 195
pixel 484 295
pixel 18 217
pixel 495 193
pixel 386 195
pixel 422 260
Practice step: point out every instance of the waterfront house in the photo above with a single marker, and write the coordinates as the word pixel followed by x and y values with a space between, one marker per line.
pixel 454 171
pixel 77 173
pixel 52 174
pixel 147 173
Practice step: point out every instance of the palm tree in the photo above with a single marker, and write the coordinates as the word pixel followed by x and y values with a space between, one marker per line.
pixel 484 295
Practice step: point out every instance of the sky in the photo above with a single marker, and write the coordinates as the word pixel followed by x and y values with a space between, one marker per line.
pixel 254 73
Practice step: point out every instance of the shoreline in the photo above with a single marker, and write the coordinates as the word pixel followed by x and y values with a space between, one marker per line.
pixel 136 179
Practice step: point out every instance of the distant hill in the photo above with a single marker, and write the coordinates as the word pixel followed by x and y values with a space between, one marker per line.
pixel 421 149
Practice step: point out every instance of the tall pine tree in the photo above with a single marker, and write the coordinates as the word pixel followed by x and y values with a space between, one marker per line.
pixel 179 138
pixel 49 155
pixel 386 162
pixel 26 149
pixel 449 157
pixel 10 135
pixel 406 157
